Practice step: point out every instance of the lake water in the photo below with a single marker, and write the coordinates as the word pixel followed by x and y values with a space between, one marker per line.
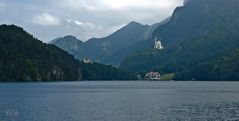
pixel 120 101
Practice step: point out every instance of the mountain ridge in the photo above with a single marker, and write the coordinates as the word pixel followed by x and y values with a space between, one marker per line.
pixel 100 49
pixel 198 31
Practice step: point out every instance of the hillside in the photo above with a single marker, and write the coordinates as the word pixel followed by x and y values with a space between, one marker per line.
pixel 97 71
pixel 117 57
pixel 109 50
pixel 24 58
pixel 69 43
pixel 223 67
pixel 196 32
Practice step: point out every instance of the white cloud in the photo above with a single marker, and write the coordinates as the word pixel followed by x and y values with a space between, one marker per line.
pixel 120 11
pixel 88 18
pixel 46 19
pixel 85 25
pixel 78 4
pixel 96 5
pixel 85 30
pixel 78 23
pixel 138 4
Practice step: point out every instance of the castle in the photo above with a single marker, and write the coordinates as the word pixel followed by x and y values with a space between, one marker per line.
pixel 87 61
pixel 158 44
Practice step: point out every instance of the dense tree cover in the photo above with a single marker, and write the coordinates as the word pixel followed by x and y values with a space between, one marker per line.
pixel 96 71
pixel 190 58
pixel 191 43
pixel 224 67
pixel 24 58
pixel 142 61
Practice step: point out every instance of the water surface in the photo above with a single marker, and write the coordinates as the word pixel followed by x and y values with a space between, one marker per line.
pixel 119 101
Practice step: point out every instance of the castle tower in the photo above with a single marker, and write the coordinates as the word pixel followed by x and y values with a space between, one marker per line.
pixel 158 44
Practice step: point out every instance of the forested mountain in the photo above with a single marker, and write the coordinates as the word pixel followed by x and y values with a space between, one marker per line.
pixel 69 43
pixel 25 58
pixel 108 50
pixel 222 67
pixel 197 18
pixel 99 49
pixel 117 57
pixel 200 31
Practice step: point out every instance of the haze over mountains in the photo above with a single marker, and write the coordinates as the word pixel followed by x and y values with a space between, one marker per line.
pixel 103 49
pixel 197 32
pixel 201 31
pixel 24 58
pixel 200 42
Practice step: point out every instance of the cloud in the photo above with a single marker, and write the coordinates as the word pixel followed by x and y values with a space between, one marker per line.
pixel 96 5
pixel 2 6
pixel 86 30
pixel 136 4
pixel 120 11
pixel 46 19
pixel 84 19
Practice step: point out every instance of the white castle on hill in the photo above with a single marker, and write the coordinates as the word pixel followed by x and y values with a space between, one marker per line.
pixel 158 44
pixel 87 61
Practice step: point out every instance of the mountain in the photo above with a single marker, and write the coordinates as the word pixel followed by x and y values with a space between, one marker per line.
pixel 69 43
pixel 196 18
pixel 117 57
pixel 99 49
pixel 197 32
pixel 111 49
pixel 24 58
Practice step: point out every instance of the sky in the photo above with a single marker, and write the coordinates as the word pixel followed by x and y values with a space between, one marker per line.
pixel 85 19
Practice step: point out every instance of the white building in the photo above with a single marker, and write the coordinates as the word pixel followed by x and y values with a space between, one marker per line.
pixel 153 76
pixel 158 44
pixel 87 61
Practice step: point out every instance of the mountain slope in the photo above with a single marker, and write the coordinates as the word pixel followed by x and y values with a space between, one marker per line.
pixel 117 57
pixel 199 31
pixel 196 18
pixel 99 49
pixel 109 50
pixel 24 58
pixel 223 67
pixel 69 43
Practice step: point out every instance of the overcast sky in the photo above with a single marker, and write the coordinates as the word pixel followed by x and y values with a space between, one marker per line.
pixel 49 19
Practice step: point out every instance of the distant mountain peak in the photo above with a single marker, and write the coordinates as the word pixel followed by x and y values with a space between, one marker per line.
pixel 134 23
pixel 66 39
pixel 70 36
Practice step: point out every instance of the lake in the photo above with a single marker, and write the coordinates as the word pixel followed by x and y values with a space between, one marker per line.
pixel 119 101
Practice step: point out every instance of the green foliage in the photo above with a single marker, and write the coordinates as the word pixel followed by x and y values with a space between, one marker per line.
pixel 24 58
pixel 189 60
pixel 223 67
pixel 201 41
pixel 96 71
pixel 168 77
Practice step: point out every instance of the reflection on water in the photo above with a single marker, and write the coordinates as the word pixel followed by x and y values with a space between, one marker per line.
pixel 119 101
